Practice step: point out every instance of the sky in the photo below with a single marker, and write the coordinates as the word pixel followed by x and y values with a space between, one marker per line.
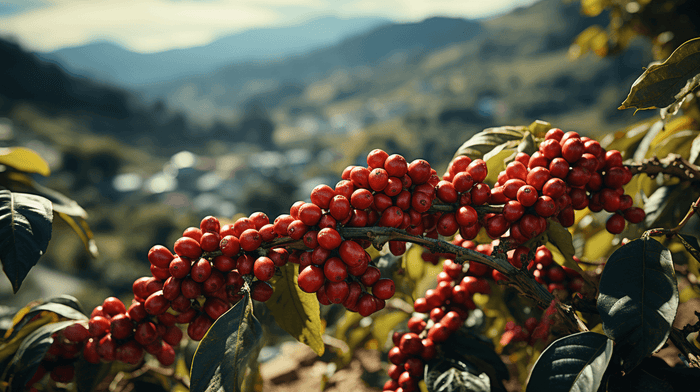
pixel 156 25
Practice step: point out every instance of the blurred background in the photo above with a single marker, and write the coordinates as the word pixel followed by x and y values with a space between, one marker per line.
pixel 155 113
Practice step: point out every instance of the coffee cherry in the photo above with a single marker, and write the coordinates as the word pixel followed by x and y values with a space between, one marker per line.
pixel 199 327
pixel 480 194
pixel 419 171
pixel 250 240
pixel 261 291
pixel 210 242
pixel 98 326
pixel 201 270
pixel 193 232
pixel 545 206
pixel 538 176
pixel 264 268
pixel 396 165
pixel 554 133
pixel 179 268
pixel 384 288
pixel 615 224
pixel 310 279
pixel 366 304
pixel 107 348
pixel 121 326
pixel 335 270
pixel 337 292
pixel 634 214
pixel 328 238
pixel 478 170
pixel 527 195
pixel 411 344
pixel 572 149
pixel 376 158
pixel 113 306
pixel 281 225
pixel 156 304
pixel 378 179
pixel 359 177
pixel 321 195
pixel 438 333
pixel 215 307
pixel 187 247
pixel 160 256
pixel 559 168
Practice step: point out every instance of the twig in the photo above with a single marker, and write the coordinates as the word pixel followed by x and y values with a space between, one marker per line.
pixel 688 350
pixel 673 165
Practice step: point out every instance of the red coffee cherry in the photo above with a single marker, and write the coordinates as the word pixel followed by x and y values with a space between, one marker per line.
pixel 527 195
pixel 335 270
pixel 328 238
pixel 361 199
pixel 554 133
pixel 76 333
pixel 201 270
pixel 478 170
pixel 497 225
pixel 396 165
pixel 634 214
pixel 384 288
pixel 230 246
pixel 615 224
pixel 613 158
pixel 311 278
pixel 210 224
pixel 337 292
pixel 199 327
pixel 321 195
pixel 559 168
pixel 250 240
pixel 359 177
pixel 516 169
pixel 447 192
pixel 281 225
pixel 210 242
pixel 113 306
pixel 480 194
pixel 193 232
pixel 187 247
pixel 366 304
pixel 411 344
pixel 538 176
pixel 190 289
pixel 160 256
pixel 107 348
pixel 261 291
pixel 378 179
pixel 98 326
pixel 545 206
pixel 578 176
pixel 244 264
pixel 550 148
pixel 462 182
pixel 215 307
pixel 419 170
pixel 376 158
pixel 572 149
pixel 156 304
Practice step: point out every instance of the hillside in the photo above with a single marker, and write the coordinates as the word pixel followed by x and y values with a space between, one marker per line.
pixel 109 62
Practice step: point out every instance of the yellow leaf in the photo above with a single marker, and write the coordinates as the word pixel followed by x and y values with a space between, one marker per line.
pixel 593 7
pixel 24 159
pixel 295 311
pixel 8 349
pixel 414 263
pixel 385 323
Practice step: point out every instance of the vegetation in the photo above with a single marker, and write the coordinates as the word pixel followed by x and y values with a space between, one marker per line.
pixel 515 269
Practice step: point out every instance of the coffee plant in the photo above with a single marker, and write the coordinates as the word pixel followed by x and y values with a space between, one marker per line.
pixel 564 255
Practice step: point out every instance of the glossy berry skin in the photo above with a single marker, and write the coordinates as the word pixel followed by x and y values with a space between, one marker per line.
pixel 230 246
pixel 113 306
pixel 201 270
pixel 98 326
pixel 187 247
pixel 615 223
pixel 527 195
pixel 160 256
pixel 76 333
pixel 156 304
pixel 328 238
pixel 411 344
pixel 261 291
pixel 384 288
pixel 311 278
pixel 264 268
pixel 250 240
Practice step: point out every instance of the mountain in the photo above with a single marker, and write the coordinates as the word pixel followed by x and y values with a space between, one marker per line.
pixel 275 80
pixel 112 63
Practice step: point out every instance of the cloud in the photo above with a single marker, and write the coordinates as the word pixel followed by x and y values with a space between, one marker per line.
pixel 155 25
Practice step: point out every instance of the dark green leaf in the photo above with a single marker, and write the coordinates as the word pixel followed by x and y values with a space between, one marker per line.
pixel 25 230
pixel 663 84
pixel 223 355
pixel 638 299
pixel 668 205
pixel 481 143
pixel 467 346
pixel 446 375
pixel 575 362
pixel 65 306
pixel 691 244
pixel 641 150
pixel 30 353
pixel 628 140
pixel 294 310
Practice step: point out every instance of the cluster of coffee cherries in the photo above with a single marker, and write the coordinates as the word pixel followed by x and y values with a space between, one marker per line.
pixel 532 331
pixel 568 172
pixel 440 312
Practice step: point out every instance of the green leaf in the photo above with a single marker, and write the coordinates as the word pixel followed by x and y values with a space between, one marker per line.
pixel 20 182
pixel 638 299
pixel 483 142
pixel 478 352
pixel 25 230
pixel 667 205
pixel 663 84
pixel 383 324
pixel 447 375
pixel 573 363
pixel 294 310
pixel 497 159
pixel 223 355
pixel 561 238
pixel 30 353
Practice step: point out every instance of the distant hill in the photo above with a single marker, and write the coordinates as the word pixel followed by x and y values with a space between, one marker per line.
pixel 112 63
pixel 403 43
